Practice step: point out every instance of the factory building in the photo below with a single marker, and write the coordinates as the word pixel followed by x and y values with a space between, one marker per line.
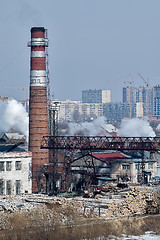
pixel 15 173
pixel 130 170
pixel 43 170
pixel 15 165
pixel 103 167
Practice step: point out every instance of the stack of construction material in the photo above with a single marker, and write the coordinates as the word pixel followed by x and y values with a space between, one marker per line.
pixel 136 202
pixel 153 203
pixel 109 187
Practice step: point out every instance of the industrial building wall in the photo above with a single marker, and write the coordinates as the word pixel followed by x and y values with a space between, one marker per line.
pixel 15 173
pixel 123 170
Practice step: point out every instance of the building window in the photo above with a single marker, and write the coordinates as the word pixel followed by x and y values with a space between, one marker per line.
pixel 18 165
pixel 125 167
pixel 139 178
pixel 1 166
pixel 8 187
pixel 18 185
pixel 1 187
pixel 150 165
pixel 138 166
pixel 8 166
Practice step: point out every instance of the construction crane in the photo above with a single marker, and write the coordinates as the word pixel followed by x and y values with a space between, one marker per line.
pixel 130 97
pixel 147 84
pixel 146 105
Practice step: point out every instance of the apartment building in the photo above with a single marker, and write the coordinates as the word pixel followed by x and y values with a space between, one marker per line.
pixel 156 97
pixel 96 96
pixel 141 97
pixel 77 111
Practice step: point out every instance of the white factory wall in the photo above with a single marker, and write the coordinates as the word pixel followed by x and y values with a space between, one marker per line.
pixel 15 173
pixel 131 170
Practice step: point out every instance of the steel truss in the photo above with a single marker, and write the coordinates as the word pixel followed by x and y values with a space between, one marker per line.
pixel 101 143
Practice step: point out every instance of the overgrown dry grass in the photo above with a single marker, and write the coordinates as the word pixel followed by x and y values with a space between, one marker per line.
pixel 56 221
pixel 23 228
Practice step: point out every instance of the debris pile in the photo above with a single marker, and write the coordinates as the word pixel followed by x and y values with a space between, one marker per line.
pixel 136 201
pixel 153 203
pixel 110 187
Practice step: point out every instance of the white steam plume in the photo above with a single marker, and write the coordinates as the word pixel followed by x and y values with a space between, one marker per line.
pixel 135 127
pixel 13 115
pixel 93 128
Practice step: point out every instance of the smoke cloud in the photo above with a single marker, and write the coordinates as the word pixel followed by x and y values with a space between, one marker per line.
pixel 94 128
pixel 135 127
pixel 13 115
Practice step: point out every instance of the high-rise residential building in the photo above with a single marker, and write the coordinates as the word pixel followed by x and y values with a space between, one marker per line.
pixel 96 96
pixel 69 110
pixel 91 111
pixel 115 111
pixel 130 95
pixel 76 111
pixel 139 109
pixel 143 96
pixel 156 100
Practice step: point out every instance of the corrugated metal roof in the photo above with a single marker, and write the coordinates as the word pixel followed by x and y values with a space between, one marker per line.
pixel 107 157
pixel 13 135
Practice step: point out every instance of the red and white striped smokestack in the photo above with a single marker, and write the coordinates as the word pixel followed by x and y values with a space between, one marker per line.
pixel 38 116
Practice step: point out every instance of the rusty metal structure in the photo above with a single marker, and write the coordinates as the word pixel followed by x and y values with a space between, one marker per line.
pixel 38 112
pixel 87 144
pixel 46 165
pixel 101 143
pixel 51 169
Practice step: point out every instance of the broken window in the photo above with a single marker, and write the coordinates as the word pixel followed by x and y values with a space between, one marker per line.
pixel 8 166
pixel 8 187
pixel 18 186
pixel 1 187
pixel 1 166
pixel 18 165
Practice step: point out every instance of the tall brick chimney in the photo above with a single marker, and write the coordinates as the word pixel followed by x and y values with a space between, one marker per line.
pixel 38 116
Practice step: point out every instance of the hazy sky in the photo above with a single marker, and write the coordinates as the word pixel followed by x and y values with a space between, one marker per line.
pixel 92 44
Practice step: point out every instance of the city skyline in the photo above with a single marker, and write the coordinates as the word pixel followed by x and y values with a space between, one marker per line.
pixel 92 45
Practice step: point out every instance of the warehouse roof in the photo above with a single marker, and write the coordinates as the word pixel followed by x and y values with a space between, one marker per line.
pixel 107 157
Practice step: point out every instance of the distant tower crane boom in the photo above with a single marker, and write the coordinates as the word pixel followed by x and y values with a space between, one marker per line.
pixel 147 84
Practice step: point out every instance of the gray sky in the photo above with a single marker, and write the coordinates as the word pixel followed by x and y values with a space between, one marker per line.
pixel 92 44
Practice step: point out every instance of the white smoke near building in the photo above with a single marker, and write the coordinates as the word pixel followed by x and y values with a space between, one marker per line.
pixel 135 127
pixel 94 128
pixel 13 115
